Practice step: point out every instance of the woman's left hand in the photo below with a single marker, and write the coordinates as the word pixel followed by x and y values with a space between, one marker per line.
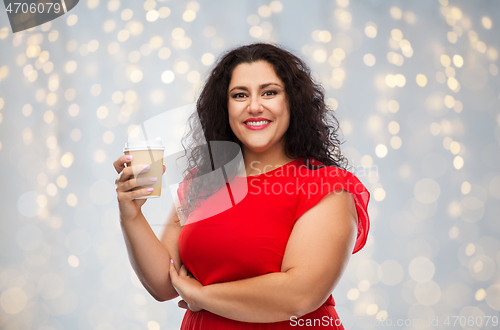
pixel 187 287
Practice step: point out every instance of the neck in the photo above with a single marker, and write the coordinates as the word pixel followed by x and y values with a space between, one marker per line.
pixel 261 162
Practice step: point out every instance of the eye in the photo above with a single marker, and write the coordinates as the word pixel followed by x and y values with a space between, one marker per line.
pixel 270 93
pixel 238 95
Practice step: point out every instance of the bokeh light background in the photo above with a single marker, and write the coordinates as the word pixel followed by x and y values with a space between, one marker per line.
pixel 414 84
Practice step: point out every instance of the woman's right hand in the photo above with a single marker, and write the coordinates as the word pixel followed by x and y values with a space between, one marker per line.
pixel 128 204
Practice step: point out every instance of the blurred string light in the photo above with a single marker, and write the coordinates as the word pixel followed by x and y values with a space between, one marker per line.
pixel 65 230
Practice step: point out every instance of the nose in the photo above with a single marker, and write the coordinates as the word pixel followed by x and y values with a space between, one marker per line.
pixel 255 106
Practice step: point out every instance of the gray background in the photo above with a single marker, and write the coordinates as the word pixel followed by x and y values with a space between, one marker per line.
pixel 432 163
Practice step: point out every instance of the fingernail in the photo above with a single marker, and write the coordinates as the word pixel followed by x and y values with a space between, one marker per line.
pixel 153 179
pixel 171 261
pixel 147 167
pixel 151 189
pixel 129 157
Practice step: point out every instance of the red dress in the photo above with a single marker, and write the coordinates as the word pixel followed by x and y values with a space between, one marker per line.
pixel 249 238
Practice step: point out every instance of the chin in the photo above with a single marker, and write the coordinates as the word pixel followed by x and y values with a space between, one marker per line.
pixel 257 147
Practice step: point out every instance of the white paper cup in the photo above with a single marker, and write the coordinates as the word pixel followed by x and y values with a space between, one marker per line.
pixel 147 153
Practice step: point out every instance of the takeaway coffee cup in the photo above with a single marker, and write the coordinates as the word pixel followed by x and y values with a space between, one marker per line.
pixel 147 153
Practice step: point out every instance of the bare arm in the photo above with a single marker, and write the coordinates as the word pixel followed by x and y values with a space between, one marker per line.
pixel 150 257
pixel 316 255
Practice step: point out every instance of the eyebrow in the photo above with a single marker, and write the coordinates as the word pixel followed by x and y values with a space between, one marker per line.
pixel 261 87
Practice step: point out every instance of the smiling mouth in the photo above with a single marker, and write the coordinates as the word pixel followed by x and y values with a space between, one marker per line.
pixel 257 123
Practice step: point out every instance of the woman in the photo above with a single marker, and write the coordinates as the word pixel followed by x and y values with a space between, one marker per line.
pixel 271 260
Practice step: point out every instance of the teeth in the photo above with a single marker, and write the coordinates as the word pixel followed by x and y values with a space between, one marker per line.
pixel 257 123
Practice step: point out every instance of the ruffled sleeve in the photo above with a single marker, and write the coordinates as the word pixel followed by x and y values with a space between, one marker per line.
pixel 316 184
pixel 183 188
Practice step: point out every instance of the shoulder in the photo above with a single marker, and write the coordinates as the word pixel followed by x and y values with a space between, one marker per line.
pixel 316 181
pixel 315 173
pixel 185 184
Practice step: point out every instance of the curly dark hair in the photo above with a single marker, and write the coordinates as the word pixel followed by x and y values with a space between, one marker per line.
pixel 311 135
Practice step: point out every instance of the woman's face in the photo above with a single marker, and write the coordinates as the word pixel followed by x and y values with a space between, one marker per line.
pixel 258 107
